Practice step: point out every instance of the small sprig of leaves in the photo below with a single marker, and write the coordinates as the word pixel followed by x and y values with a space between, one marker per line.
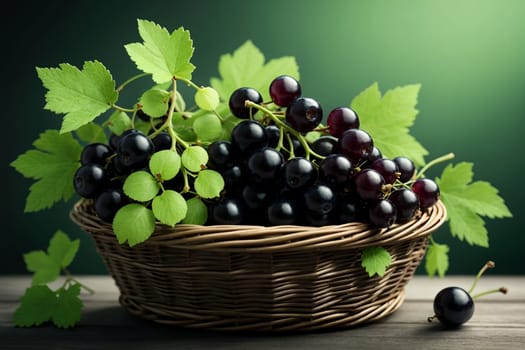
pixel 40 303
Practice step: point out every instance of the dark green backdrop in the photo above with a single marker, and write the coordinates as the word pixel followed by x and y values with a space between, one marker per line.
pixel 468 55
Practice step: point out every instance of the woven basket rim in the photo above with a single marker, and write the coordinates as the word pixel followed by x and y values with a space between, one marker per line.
pixel 253 238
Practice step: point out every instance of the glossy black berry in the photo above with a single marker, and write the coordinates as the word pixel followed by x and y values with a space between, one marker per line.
pixel 299 172
pixel 304 114
pixel 134 150
pixel 108 203
pixel 453 306
pixel 90 180
pixel 248 136
pixel 238 99
pixel 284 89
pixel 96 153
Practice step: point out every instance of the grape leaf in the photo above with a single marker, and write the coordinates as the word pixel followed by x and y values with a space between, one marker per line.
pixel 162 54
pixel 436 259
pixel 45 269
pixel 194 158
pixel 154 102
pixel 169 208
pixel 388 119
pixel 82 95
pixel 68 308
pixel 62 249
pixel 36 306
pixel 133 223
pixel 197 212
pixel 55 158
pixel 246 67
pixel 209 184
pixel 468 201
pixel 165 164
pixel 141 186
pixel 91 133
pixel 375 260
pixel 207 98
pixel 208 127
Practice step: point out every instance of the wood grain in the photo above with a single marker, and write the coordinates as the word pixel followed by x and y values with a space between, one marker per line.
pixel 498 323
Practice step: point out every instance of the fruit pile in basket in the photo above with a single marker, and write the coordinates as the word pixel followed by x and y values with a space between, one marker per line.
pixel 251 150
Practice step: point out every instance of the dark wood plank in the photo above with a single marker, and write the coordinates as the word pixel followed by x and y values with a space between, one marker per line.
pixel 498 323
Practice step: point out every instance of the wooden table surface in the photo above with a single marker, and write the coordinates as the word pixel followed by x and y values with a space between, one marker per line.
pixel 498 323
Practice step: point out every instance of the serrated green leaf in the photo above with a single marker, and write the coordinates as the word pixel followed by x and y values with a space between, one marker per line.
pixel 209 184
pixel 133 223
pixel 194 158
pixel 162 54
pixel 165 164
pixel 208 127
pixel 436 259
pixel 375 260
pixel 118 122
pixel 45 269
pixel 62 250
pixel 56 158
pixel 169 207
pixel 246 67
pixel 467 202
pixel 36 306
pixel 68 308
pixel 141 186
pixel 197 213
pixel 388 119
pixel 91 133
pixel 154 102
pixel 207 98
pixel 82 95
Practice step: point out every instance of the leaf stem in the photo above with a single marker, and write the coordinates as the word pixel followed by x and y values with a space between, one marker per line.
pixel 70 278
pixel 122 109
pixel 130 80
pixel 430 164
pixel 169 121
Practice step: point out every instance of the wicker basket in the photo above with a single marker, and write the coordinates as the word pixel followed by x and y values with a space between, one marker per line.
pixel 261 278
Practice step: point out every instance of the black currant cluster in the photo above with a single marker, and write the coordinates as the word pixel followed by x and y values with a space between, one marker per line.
pixel 274 176
pixel 104 168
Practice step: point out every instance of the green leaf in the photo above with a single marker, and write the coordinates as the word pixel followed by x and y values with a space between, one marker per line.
pixel 91 133
pixel 44 267
pixel 165 164
pixel 468 201
pixel 388 119
pixel 118 122
pixel 194 158
pixel 36 306
pixel 197 213
pixel 154 102
pixel 133 223
pixel 436 259
pixel 68 307
pixel 375 260
pixel 207 98
pixel 209 184
pixel 208 127
pixel 82 95
pixel 56 158
pixel 62 250
pixel 162 54
pixel 247 67
pixel 169 208
pixel 141 186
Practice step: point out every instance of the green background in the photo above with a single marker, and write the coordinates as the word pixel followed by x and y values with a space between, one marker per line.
pixel 469 57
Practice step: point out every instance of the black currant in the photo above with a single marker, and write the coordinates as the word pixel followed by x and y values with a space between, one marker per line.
pixel 304 114
pixel 238 99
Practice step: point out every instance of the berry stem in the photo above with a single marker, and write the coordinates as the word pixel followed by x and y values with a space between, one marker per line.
pixel 488 265
pixel 188 82
pixel 283 125
pixel 430 164
pixel 130 80
pixel 502 290
pixel 122 109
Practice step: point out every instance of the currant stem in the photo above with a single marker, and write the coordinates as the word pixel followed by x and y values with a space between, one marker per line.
pixel 130 80
pixel 488 265
pixel 288 128
pixel 122 109
pixel 70 278
pixel 502 290
pixel 430 164
pixel 189 83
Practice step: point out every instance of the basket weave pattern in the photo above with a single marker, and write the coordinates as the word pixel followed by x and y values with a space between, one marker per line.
pixel 261 278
